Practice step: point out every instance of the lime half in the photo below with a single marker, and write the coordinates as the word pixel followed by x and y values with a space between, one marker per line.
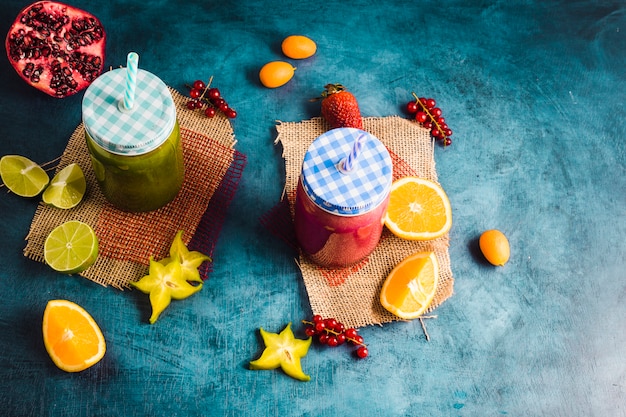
pixel 71 247
pixel 67 188
pixel 22 176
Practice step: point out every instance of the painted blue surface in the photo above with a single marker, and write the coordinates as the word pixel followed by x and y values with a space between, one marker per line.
pixel 534 91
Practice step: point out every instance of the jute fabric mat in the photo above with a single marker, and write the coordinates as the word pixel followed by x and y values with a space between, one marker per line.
pixel 127 240
pixel 351 295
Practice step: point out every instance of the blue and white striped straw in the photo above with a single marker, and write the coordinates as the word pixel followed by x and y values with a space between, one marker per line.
pixel 348 162
pixel 132 63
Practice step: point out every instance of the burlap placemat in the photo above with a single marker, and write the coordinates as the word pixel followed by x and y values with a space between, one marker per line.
pixel 351 295
pixel 126 240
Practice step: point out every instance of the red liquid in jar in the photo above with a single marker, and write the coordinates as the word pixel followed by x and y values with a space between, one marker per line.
pixel 333 240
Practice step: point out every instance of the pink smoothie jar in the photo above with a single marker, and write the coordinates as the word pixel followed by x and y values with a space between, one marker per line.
pixel 342 195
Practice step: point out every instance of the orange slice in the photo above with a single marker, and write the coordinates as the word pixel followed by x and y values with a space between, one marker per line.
pixel 410 287
pixel 418 209
pixel 71 336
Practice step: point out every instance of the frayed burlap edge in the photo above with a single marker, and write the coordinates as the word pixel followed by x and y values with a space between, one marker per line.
pixel 351 295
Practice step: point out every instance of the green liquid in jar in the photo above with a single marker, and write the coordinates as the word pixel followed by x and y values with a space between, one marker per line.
pixel 139 183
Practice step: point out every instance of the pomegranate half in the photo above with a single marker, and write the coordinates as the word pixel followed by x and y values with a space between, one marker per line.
pixel 56 48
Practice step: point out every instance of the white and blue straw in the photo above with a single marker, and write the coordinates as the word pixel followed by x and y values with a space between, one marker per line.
pixel 132 63
pixel 347 164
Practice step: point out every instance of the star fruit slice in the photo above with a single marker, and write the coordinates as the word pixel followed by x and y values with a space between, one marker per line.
pixel 189 261
pixel 176 277
pixel 285 351
pixel 164 283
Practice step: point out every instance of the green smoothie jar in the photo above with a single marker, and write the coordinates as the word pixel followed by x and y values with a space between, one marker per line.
pixel 136 153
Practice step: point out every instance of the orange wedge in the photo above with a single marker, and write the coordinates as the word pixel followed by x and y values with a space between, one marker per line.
pixel 418 209
pixel 71 336
pixel 410 287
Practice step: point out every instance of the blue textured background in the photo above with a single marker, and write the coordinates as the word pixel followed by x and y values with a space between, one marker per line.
pixel 534 91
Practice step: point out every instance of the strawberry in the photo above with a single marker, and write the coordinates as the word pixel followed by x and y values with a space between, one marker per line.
pixel 340 108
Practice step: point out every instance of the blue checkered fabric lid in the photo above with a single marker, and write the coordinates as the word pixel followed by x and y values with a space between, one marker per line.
pixel 137 131
pixel 346 193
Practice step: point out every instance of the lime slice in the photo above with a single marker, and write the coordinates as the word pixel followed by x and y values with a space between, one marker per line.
pixel 67 188
pixel 71 247
pixel 22 176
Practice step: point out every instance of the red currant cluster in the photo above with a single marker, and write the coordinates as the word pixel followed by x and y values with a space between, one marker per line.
pixel 203 94
pixel 333 333
pixel 429 116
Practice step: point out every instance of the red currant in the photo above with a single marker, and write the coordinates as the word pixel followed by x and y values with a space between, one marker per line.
pixel 362 352
pixel 351 333
pixel 195 93
pixel 430 117
pixel 330 323
pixel 332 333
pixel 421 117
pixel 214 93
pixel 223 107
pixel 357 340
pixel 199 84
pixel 191 105
pixel 230 113
pixel 411 107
